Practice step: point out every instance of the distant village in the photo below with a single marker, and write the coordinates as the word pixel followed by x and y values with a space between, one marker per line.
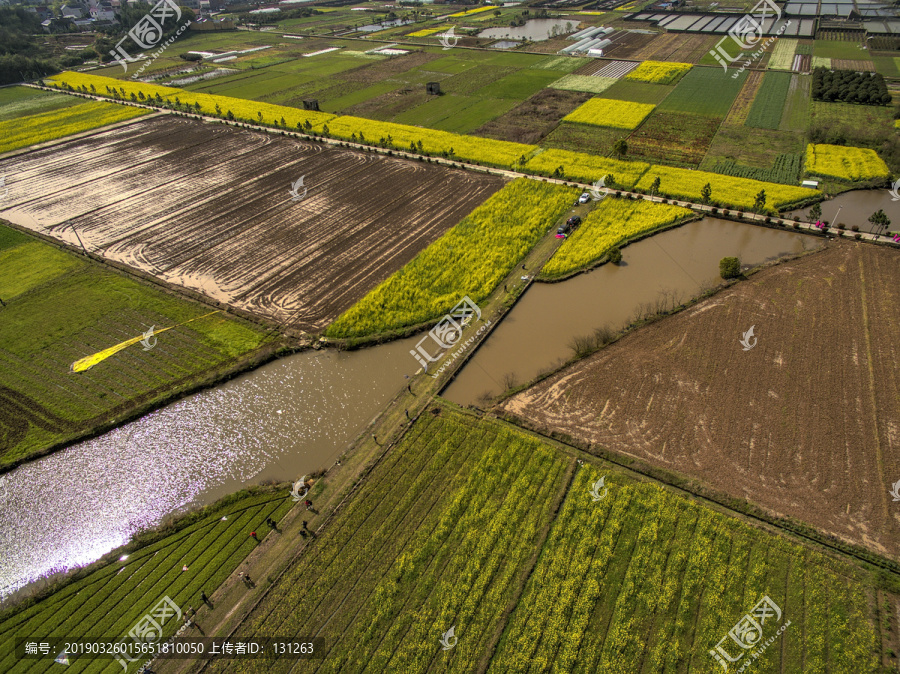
pixel 93 15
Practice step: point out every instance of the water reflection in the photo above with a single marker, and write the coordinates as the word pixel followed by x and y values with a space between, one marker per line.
pixel 533 29
pixel 289 417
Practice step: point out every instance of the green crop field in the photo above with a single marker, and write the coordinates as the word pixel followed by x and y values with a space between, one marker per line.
pixel 60 308
pixel 480 86
pixel 840 49
pixel 459 114
pixel 644 576
pixel 584 138
pixel 752 147
pixel 704 91
pixel 470 259
pixel 439 536
pixel 766 110
pixel 796 109
pixel 16 102
pixel 673 138
pixel 28 122
pixel 476 526
pixel 639 92
pixel 106 601
pixel 889 66
pixel 851 124
pixel 521 84
pixel 788 169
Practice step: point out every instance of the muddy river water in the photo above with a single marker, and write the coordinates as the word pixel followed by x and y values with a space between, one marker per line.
pixel 536 334
pixel 854 208
pixel 298 414
pixel 289 417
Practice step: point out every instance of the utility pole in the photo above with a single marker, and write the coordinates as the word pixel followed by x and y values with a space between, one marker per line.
pixel 79 239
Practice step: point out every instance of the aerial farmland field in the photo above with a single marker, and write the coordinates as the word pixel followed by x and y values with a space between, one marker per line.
pixel 515 554
pixel 704 91
pixel 59 308
pixel 780 425
pixel 193 205
pixel 513 337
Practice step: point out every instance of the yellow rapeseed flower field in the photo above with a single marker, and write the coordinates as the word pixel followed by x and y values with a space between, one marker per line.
pixel 845 163
pixel 739 193
pixel 470 259
pixel 612 222
pixel 482 150
pixel 425 32
pixel 40 128
pixel 399 136
pixel 610 112
pixel 469 12
pixel 241 109
pixel 659 72
pixel 586 168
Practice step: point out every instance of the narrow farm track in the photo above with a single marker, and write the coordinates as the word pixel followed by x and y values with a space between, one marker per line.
pixel 428 525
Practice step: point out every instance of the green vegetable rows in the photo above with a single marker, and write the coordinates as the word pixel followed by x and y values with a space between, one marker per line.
pixel 786 170
pixel 110 600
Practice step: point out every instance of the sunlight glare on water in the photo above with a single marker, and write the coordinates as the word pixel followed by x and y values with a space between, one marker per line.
pixel 289 417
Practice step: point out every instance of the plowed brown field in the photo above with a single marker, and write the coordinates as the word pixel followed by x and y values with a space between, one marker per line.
pixel 805 424
pixel 209 208
pixel 680 47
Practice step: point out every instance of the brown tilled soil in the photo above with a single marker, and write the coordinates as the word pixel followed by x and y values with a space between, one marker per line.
pixel 670 47
pixel 630 44
pixel 741 108
pixel 805 424
pixel 859 65
pixel 379 70
pixel 208 207
pixel 534 118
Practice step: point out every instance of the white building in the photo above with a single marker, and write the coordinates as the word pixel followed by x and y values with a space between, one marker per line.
pixel 103 14
pixel 68 12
